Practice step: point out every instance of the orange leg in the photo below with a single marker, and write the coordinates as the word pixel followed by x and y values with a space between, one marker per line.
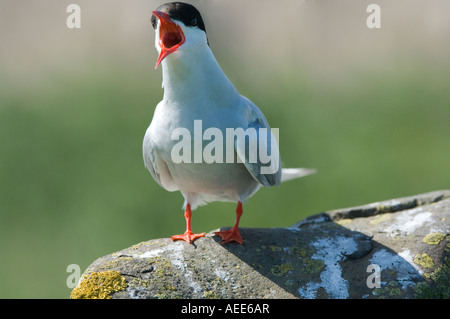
pixel 188 236
pixel 233 234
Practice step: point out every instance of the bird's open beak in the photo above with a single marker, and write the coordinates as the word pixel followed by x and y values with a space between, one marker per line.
pixel 171 37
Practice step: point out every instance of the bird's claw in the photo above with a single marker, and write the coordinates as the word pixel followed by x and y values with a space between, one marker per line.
pixel 230 235
pixel 188 237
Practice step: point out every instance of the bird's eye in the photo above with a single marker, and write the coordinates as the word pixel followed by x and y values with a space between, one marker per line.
pixel 193 22
pixel 154 22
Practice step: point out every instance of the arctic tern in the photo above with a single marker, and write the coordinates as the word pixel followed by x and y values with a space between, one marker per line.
pixel 196 88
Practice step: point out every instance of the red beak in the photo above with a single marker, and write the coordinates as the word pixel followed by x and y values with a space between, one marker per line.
pixel 171 37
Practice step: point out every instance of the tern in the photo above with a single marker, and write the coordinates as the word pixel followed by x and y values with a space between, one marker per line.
pixel 196 89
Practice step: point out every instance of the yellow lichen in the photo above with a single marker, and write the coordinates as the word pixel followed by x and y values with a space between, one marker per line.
pixel 380 218
pixel 279 270
pixel 433 238
pixel 438 285
pixel 343 221
pixel 275 248
pixel 424 260
pixel 99 285
pixel 313 266
pixel 210 295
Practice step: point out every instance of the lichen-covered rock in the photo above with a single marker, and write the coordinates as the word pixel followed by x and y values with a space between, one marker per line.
pixel 99 285
pixel 394 249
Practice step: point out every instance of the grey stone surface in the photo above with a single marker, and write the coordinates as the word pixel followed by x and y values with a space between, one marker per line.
pixel 392 249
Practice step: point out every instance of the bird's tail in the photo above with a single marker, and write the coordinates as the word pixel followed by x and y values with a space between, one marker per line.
pixel 292 173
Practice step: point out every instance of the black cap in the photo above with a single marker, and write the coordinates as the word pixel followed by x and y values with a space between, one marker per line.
pixel 183 12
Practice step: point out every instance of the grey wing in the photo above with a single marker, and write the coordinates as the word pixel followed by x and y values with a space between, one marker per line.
pixel 265 165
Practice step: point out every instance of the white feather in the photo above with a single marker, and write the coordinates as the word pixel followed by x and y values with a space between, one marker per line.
pixel 288 174
pixel 195 87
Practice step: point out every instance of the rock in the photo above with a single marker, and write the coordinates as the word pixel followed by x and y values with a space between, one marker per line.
pixel 393 249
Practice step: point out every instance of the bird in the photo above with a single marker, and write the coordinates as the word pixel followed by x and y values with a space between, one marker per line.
pixel 197 91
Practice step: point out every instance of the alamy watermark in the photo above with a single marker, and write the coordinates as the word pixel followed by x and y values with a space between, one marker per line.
pixel 374 279
pixel 373 21
pixel 212 145
pixel 73 21
pixel 74 277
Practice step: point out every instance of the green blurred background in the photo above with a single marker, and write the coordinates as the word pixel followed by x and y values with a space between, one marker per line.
pixel 369 108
